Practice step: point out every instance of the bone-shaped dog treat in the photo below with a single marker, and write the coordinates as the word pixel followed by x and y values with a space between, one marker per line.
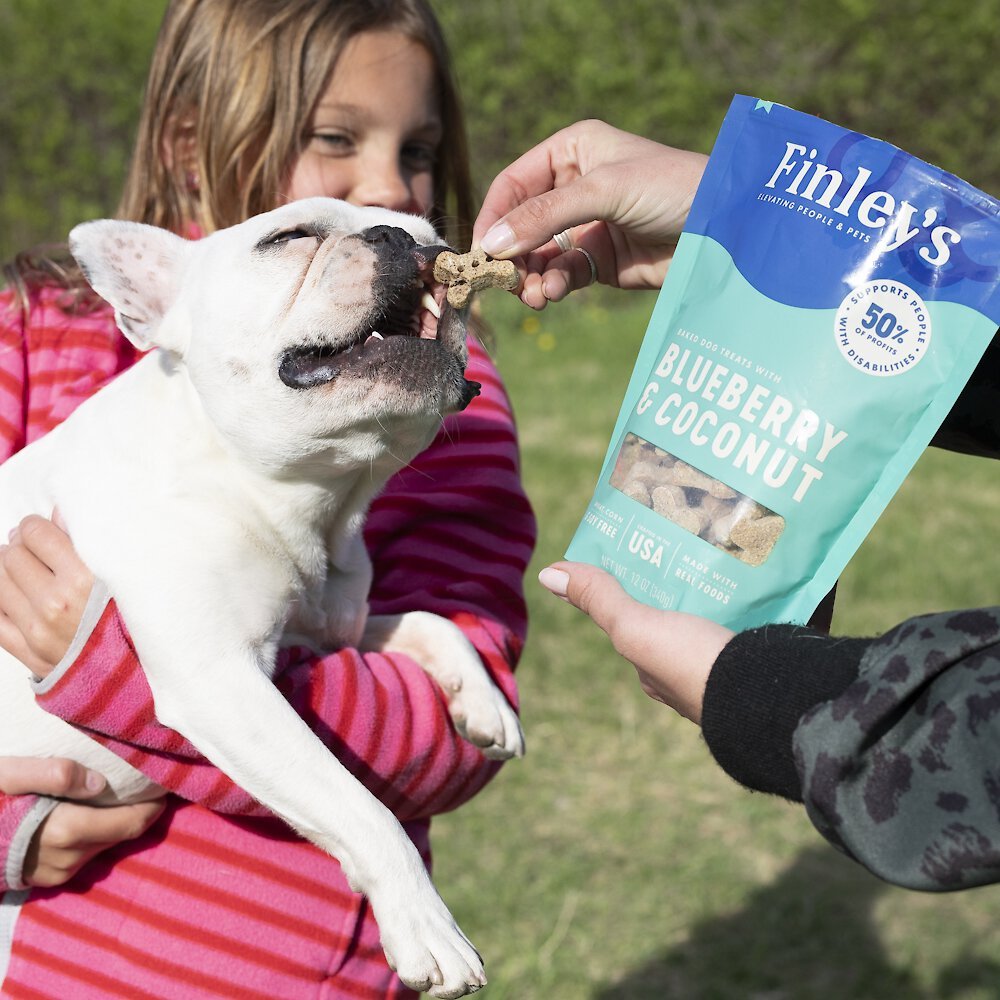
pixel 698 503
pixel 465 273
pixel 756 537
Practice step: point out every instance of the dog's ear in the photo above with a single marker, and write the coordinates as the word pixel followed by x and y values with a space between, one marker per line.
pixel 137 269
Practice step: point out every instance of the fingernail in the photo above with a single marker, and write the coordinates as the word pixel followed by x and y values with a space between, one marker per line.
pixel 94 781
pixel 498 239
pixel 556 581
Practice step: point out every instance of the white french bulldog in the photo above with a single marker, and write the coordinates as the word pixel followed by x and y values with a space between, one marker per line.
pixel 219 488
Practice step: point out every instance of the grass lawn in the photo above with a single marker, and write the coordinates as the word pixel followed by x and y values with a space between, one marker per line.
pixel 616 860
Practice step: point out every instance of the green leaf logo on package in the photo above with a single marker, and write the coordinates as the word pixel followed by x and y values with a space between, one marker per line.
pixel 829 298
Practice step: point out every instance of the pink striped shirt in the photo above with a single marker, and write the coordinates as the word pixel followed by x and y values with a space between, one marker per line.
pixel 219 899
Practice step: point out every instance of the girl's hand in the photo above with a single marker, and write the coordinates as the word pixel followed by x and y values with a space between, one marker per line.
pixel 623 199
pixel 73 832
pixel 44 587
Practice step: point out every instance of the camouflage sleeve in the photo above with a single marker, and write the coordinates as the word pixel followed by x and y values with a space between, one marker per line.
pixel 902 770
pixel 893 744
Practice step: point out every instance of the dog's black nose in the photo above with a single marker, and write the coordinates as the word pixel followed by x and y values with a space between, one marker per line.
pixel 389 239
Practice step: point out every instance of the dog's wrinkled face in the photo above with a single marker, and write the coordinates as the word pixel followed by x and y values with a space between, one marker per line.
pixel 312 332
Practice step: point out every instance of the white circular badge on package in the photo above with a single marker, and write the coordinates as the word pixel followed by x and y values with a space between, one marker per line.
pixel 883 328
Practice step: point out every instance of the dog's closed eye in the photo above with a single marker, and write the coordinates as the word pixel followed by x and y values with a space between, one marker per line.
pixel 288 235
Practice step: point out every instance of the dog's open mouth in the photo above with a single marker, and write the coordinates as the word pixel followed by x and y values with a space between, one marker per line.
pixel 415 311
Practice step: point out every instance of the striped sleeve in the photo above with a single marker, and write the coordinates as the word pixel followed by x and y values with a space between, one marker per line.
pixel 13 808
pixel 15 827
pixel 452 534
pixel 13 361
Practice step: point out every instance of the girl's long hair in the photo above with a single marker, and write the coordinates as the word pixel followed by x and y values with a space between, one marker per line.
pixel 231 89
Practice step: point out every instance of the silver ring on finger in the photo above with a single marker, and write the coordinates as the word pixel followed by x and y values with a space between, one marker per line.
pixel 563 241
pixel 591 262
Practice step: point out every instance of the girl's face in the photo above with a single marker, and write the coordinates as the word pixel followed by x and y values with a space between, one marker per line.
pixel 374 136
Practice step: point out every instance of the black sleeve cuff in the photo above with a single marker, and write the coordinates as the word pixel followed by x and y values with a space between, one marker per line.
pixel 761 685
pixel 973 425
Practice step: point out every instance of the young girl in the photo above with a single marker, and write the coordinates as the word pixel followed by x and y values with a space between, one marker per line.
pixel 251 103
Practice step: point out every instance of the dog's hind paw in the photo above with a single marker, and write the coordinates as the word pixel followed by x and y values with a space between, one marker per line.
pixel 478 708
pixel 484 717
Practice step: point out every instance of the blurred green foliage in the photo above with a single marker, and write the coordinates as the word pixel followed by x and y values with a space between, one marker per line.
pixel 921 75
pixel 71 78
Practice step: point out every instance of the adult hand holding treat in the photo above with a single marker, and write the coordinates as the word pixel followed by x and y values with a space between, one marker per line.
pixel 590 203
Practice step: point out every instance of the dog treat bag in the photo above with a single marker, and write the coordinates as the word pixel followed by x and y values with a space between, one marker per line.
pixel 828 300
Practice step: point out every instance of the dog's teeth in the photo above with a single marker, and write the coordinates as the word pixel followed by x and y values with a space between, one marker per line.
pixel 377 335
pixel 427 301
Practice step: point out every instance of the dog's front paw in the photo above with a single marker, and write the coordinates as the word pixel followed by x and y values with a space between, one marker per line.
pixel 434 956
pixel 484 717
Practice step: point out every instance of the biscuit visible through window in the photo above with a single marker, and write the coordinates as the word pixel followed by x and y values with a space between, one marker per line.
pixel 704 506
